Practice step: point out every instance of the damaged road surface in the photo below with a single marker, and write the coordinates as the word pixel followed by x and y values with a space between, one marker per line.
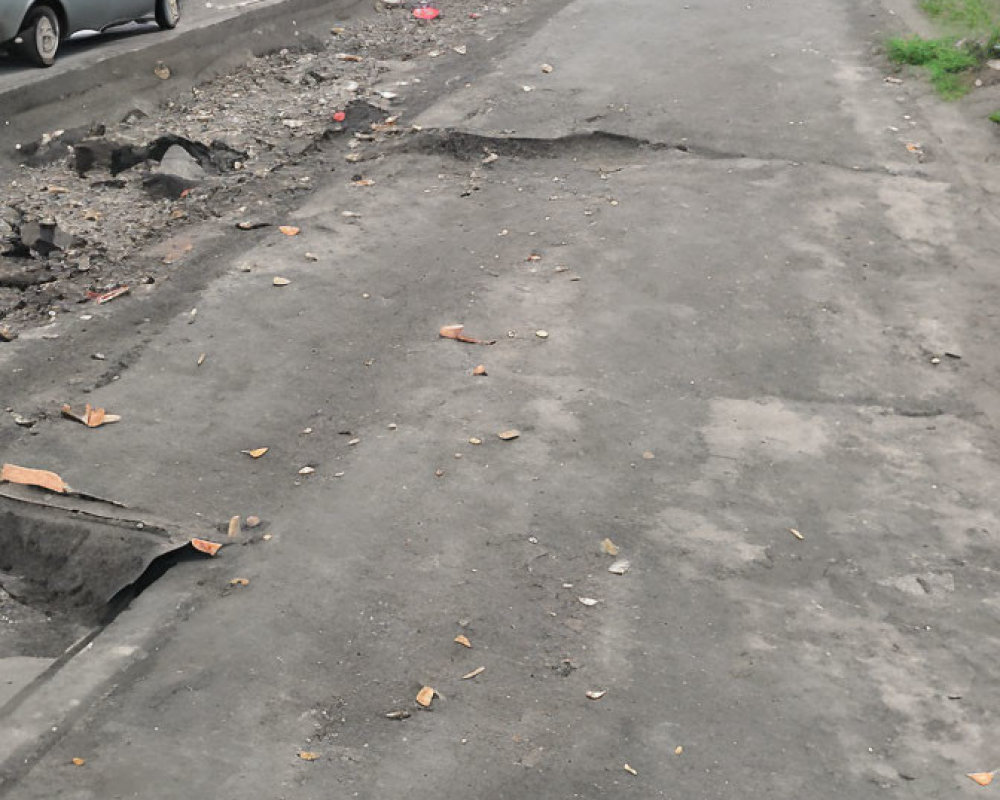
pixel 580 420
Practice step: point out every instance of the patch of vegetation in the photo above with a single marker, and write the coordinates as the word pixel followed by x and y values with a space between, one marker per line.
pixel 942 58
pixel 995 117
pixel 973 37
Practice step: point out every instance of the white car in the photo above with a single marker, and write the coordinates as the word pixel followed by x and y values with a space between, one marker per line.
pixel 35 28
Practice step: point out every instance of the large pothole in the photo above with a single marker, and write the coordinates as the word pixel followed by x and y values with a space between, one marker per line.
pixel 65 572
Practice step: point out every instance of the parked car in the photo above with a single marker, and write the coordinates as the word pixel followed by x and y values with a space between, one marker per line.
pixel 35 28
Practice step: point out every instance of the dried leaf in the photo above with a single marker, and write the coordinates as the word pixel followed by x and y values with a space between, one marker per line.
pixel 609 547
pixel 398 715
pixel 982 778
pixel 205 546
pixel 596 694
pixel 78 762
pixel 630 770
pixel 234 526
pixel 289 230
pixel 306 755
pixel 278 281
pixel 508 435
pixel 257 452
pixel 41 478
pixel 456 332
pixel 463 640
pixel 474 673
pixel 796 534
pixel 425 696
pixel 620 567
pixel 91 417
pixel 588 601
pixel 239 582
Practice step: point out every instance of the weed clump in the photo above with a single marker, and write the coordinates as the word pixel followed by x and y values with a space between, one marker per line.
pixel 944 59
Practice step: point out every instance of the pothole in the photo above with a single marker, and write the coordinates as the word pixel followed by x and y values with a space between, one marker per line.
pixel 66 572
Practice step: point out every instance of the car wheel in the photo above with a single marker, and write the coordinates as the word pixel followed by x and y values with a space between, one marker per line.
pixel 38 40
pixel 168 13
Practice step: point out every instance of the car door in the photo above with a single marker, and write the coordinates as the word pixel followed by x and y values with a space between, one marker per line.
pixel 98 14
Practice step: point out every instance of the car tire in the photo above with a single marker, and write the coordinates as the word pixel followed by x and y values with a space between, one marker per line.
pixel 40 35
pixel 168 14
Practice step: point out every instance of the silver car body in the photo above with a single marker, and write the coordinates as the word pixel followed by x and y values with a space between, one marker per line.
pixel 74 15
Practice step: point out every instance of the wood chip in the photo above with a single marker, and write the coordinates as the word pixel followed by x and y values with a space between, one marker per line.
pixel 982 778
pixel 78 762
pixel 257 452
pixel 279 281
pixel 463 640
pixel 629 769
pixel 609 547
pixel 425 696
pixel 205 546
pixel 398 715
pixel 306 755
pixel 796 534
pixel 289 230
pixel 508 435
pixel 474 673
pixel 234 526
pixel 201 359
pixel 10 473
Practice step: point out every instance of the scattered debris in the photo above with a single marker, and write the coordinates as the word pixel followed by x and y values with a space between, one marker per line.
pixel 609 547
pixel 278 281
pixel 201 359
pixel 463 640
pixel 289 230
pixel 234 526
pixel 620 567
pixel 475 440
pixel 307 470
pixel 78 762
pixel 425 696
pixel 480 371
pixel 678 750
pixel 253 521
pixel 982 778
pixel 106 297
pixel 239 581
pixel 588 601
pixel 456 332
pixel 426 13
pixel 307 755
pixel 401 714
pixel 256 452
pixel 796 534
pixel 474 673
pixel 509 435
pixel 648 455
pixel 629 769
pixel 542 334
pixel 205 546
pixel 91 417
pixel 7 335
pixel 24 476
pixel 161 71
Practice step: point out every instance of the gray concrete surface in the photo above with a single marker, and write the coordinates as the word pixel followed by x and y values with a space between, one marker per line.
pixel 758 341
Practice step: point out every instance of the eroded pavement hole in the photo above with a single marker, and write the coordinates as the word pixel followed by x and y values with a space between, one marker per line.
pixel 65 572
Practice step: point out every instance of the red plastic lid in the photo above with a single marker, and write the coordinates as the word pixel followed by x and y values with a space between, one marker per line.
pixel 426 12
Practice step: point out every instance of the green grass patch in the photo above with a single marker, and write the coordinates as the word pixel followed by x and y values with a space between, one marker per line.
pixel 943 59
pixel 971 35
pixel 995 117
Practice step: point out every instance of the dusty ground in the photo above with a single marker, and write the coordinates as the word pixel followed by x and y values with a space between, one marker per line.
pixel 761 312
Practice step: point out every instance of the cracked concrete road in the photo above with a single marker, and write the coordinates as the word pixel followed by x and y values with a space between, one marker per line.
pixel 783 319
